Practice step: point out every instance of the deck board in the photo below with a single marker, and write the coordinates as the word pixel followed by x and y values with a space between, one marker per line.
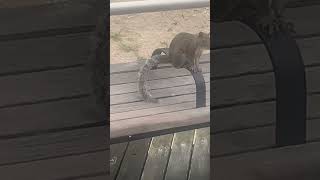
pixel 240 141
pixel 229 34
pixel 41 146
pixel 44 53
pixel 58 168
pixel 59 15
pixel 117 152
pixel 200 164
pixel 157 93
pixel 293 162
pixel 156 84
pixel 49 116
pixel 158 157
pixel 40 86
pixel 169 156
pixel 134 159
pixel 179 161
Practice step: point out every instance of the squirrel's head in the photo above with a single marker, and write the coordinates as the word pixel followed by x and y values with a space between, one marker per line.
pixel 204 40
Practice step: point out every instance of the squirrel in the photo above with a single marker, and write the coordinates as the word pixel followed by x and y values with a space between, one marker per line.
pixel 184 52
pixel 269 13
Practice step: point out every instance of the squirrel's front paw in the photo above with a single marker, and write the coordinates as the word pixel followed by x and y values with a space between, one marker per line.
pixel 194 69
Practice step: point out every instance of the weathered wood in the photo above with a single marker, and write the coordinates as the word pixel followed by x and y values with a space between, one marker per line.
pixel 160 73
pixel 256 114
pixel 47 85
pixel 157 93
pixel 58 168
pixel 158 122
pixel 292 162
pixel 158 156
pixel 200 162
pixel 29 55
pixel 236 61
pixel 235 34
pixel 253 88
pixel 250 88
pixel 179 161
pixel 156 84
pixel 48 116
pixel 51 145
pixel 117 152
pixel 65 14
pixel 144 105
pixel 133 162
pixel 155 111
pixel 254 138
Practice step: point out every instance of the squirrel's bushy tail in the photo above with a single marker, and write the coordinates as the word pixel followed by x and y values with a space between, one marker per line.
pixel 144 74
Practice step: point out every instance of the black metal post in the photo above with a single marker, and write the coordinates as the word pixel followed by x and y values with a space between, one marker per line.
pixel 290 86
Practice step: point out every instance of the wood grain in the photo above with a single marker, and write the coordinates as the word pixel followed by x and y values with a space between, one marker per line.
pixel 58 168
pixel 200 162
pixel 158 156
pixel 293 162
pixel 133 162
pixel 179 161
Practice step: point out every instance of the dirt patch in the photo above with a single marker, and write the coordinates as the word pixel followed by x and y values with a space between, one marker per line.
pixel 134 37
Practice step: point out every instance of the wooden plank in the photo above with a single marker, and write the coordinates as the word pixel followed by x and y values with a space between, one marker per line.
pixel 251 59
pixel 44 53
pixel 241 141
pixel 293 162
pixel 252 88
pixel 64 14
pixel 25 88
pixel 134 159
pixel 48 116
pixel 122 108
pixel 252 139
pixel 178 165
pixel 243 89
pixel 229 34
pixel 159 122
pixel 135 66
pixel 255 115
pixel 52 145
pixel 156 84
pixel 200 162
pixel 117 152
pixel 58 168
pixel 160 73
pixel 158 157
pixel 243 116
pixel 155 111
pixel 157 93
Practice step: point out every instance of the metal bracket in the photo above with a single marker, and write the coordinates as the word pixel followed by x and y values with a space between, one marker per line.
pixel 198 79
pixel 290 85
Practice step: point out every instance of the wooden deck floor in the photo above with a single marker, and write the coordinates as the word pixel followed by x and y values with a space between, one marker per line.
pixel 179 156
pixel 130 115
